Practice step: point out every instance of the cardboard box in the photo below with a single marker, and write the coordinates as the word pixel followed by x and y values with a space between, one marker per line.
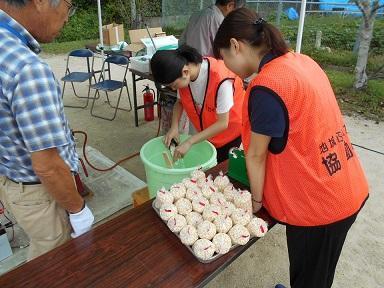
pixel 113 34
pixel 138 34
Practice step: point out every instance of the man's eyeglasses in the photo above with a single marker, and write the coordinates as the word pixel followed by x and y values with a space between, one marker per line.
pixel 71 8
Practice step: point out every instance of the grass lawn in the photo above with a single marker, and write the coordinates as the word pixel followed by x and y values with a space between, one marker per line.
pixel 345 59
pixel 368 102
pixel 65 47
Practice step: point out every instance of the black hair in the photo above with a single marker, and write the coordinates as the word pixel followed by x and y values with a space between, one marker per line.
pixel 167 65
pixel 238 3
pixel 246 25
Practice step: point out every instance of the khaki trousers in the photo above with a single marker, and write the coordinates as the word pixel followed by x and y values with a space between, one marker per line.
pixel 45 222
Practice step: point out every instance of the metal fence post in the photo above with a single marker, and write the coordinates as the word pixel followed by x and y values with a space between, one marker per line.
pixel 301 26
pixel 279 11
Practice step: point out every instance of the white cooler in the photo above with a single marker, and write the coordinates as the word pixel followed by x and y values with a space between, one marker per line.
pixel 5 248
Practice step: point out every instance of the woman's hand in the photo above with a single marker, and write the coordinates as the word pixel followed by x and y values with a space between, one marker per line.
pixel 256 206
pixel 173 133
pixel 182 149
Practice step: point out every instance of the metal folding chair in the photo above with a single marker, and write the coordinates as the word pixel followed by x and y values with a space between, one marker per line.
pixel 78 76
pixel 108 84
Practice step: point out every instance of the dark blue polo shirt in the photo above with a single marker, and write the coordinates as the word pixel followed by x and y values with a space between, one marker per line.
pixel 267 113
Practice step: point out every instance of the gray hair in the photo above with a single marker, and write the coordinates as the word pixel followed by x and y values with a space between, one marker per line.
pixel 21 3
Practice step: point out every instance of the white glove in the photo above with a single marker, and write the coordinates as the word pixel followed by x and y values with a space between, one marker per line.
pixel 81 222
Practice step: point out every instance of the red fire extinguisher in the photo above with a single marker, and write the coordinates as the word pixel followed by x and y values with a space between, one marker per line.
pixel 149 100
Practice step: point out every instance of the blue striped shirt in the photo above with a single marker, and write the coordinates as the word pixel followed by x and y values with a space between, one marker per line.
pixel 31 108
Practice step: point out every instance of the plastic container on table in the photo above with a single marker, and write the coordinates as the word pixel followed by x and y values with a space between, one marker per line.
pixel 237 167
pixel 201 155
pixel 213 258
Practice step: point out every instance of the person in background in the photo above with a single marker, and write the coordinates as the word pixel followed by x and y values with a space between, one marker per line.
pixel 200 33
pixel 300 161
pixel 37 150
pixel 202 26
pixel 209 93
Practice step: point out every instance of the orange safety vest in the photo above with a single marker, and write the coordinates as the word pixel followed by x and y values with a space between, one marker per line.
pixel 218 73
pixel 317 179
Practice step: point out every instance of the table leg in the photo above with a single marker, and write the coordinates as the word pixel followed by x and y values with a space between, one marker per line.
pixel 157 103
pixel 135 99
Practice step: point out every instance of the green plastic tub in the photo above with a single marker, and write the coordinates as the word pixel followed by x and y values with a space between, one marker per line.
pixel 237 168
pixel 201 155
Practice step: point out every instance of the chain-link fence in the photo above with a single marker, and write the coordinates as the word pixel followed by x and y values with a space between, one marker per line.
pixel 176 13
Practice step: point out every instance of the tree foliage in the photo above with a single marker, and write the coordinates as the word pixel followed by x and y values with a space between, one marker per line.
pixel 84 24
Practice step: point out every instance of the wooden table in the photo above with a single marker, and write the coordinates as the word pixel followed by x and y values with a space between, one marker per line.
pixel 135 249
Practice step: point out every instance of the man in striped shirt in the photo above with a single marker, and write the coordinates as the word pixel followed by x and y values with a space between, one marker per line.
pixel 37 150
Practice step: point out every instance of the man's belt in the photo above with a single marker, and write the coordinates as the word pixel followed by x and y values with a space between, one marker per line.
pixel 25 183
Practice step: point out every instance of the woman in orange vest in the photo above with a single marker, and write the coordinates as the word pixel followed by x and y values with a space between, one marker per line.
pixel 301 165
pixel 211 95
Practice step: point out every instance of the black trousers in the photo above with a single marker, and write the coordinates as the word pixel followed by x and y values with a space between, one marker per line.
pixel 314 252
pixel 222 152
